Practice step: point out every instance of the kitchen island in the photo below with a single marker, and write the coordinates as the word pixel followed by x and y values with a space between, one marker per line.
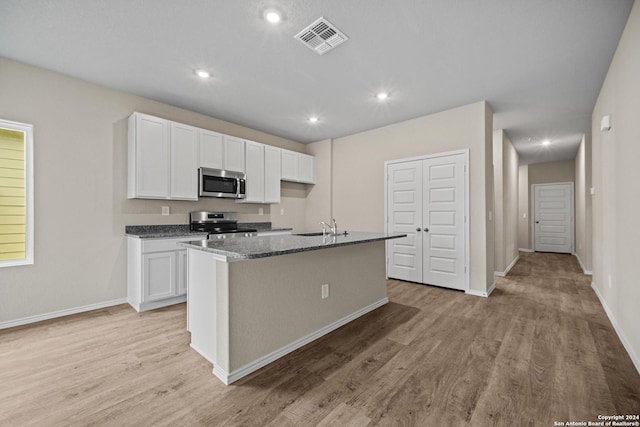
pixel 252 300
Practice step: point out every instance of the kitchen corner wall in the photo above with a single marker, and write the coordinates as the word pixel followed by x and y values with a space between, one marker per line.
pixel 81 205
pixel 616 203
pixel 354 191
pixel 505 169
pixel 319 200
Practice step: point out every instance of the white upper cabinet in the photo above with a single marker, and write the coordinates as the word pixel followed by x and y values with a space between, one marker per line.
pixel 184 162
pixel 211 149
pixel 219 151
pixel 233 154
pixel 289 166
pixel 163 159
pixel 306 169
pixel 255 173
pixel 272 174
pixel 263 173
pixel 298 167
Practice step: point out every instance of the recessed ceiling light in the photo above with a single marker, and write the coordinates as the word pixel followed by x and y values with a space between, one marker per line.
pixel 272 16
pixel 203 74
pixel 546 142
pixel 382 96
pixel 313 119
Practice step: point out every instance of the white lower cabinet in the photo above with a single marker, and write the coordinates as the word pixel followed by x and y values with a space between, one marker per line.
pixel 158 276
pixel 156 272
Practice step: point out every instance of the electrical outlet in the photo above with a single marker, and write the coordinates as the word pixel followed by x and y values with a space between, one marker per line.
pixel 325 291
pixel 261 211
pixel 166 210
pixel 281 211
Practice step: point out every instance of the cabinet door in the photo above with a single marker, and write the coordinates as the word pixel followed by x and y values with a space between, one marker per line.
pixel 233 154
pixel 149 146
pixel 289 166
pixel 211 149
pixel 184 162
pixel 159 276
pixel 182 273
pixel 255 172
pixel 272 174
pixel 306 169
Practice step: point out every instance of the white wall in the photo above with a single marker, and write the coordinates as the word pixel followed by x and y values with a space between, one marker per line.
pixel 523 207
pixel 498 202
pixel 583 203
pixel 357 171
pixel 616 203
pixel 505 170
pixel 81 205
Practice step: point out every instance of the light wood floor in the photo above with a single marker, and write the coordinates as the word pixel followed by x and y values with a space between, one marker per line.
pixel 539 350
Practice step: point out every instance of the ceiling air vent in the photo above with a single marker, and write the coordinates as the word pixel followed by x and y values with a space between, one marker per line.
pixel 321 36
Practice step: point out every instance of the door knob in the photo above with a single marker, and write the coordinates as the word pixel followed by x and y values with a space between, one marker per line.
pixel 537 222
pixel 426 230
pixel 418 229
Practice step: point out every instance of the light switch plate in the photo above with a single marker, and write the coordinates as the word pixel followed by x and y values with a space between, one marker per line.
pixel 166 210
pixel 325 291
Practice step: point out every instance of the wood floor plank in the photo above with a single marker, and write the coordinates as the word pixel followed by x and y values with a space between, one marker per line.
pixel 540 349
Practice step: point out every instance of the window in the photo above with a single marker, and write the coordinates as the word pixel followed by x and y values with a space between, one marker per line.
pixel 16 194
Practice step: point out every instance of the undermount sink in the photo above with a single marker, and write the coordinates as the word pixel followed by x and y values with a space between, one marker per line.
pixel 317 233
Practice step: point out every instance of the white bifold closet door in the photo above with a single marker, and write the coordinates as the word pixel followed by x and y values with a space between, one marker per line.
pixel 426 201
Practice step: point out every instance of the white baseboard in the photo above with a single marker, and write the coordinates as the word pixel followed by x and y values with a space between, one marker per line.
pixel 60 313
pixel 525 250
pixel 481 293
pixel 634 357
pixel 229 378
pixel 584 270
pixel 506 271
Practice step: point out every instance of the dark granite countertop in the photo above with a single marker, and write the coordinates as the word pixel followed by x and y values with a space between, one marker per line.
pixel 161 231
pixel 168 231
pixel 244 248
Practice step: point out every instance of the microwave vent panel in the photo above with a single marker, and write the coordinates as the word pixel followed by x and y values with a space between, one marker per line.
pixel 321 36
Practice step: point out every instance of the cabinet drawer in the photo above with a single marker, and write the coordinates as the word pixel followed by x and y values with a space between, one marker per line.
pixel 162 245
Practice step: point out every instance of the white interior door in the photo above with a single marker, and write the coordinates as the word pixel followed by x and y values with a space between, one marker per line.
pixel 404 215
pixel 443 221
pixel 553 217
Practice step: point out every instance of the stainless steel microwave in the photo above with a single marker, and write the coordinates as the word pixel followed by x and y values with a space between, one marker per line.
pixel 220 183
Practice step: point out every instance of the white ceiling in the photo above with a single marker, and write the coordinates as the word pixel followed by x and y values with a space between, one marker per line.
pixel 539 63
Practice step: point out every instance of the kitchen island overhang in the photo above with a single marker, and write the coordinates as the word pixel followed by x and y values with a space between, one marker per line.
pixel 247 308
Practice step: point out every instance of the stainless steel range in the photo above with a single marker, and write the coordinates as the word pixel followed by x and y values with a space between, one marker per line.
pixel 219 225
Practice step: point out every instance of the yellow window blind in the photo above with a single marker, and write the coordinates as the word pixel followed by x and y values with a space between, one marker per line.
pixel 12 195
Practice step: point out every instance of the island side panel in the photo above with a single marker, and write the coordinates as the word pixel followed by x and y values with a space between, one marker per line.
pixel 276 301
pixel 202 303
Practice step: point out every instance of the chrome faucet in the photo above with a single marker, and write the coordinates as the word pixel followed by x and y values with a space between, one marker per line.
pixel 333 229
